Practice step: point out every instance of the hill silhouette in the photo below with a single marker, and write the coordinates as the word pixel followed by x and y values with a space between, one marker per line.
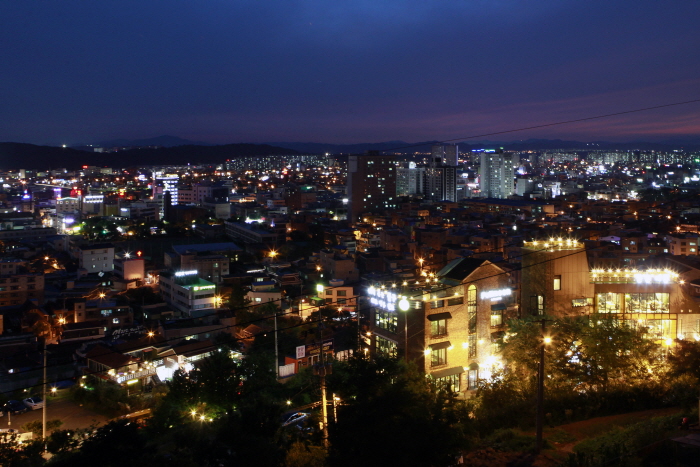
pixel 15 156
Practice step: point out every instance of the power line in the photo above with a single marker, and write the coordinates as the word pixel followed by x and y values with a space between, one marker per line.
pixel 545 125
pixel 321 316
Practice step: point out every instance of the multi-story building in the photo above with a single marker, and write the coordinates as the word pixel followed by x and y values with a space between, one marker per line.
pixel 410 180
pixel 210 260
pixel 561 278
pixel 371 183
pixel 683 244
pixel 19 284
pixel 246 233
pixel 496 175
pixel 336 265
pixel 451 325
pixel 187 292
pixel 96 258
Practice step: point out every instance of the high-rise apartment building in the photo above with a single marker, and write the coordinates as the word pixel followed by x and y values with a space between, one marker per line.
pixel 496 174
pixel 445 154
pixel 441 175
pixel 371 183
pixel 410 180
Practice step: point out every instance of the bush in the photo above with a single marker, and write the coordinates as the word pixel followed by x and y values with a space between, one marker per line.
pixel 510 441
pixel 622 446
pixel 37 427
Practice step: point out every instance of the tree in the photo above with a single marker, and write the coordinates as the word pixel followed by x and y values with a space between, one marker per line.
pixel 685 359
pixel 37 427
pixel 393 415
pixel 588 353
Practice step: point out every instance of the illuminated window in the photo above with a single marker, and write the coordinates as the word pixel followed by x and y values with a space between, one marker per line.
pixel 471 341
pixel 438 357
pixel 471 307
pixel 438 327
pixel 451 382
pixel 385 346
pixel 385 320
pixel 496 317
pixel 472 378
pixel 608 303
pixel 647 302
pixel 557 282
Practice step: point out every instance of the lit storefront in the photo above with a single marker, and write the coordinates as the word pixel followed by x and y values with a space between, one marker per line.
pixel 648 299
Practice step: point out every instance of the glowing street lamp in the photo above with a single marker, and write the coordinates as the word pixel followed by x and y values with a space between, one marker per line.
pixel 404 306
pixel 272 254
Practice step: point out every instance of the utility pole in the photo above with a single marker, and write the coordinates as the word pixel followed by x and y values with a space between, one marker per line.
pixel 324 402
pixel 277 358
pixel 46 402
pixel 540 390
pixel 322 374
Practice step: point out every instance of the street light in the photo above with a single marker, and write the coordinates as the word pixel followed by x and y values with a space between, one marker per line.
pixel 539 422
pixel 404 305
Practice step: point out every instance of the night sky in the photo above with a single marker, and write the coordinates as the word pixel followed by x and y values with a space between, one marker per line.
pixel 345 71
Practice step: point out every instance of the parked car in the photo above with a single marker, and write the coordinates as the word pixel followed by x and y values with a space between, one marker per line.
pixel 295 418
pixel 15 407
pixel 34 403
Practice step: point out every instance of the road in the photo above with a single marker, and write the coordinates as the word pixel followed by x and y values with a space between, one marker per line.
pixel 70 413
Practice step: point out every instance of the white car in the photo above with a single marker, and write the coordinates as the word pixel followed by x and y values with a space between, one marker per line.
pixel 34 403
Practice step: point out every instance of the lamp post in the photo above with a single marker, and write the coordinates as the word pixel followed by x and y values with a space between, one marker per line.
pixel 539 422
pixel 404 305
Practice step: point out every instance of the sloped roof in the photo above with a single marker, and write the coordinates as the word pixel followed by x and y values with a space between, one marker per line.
pixel 108 357
pixel 459 269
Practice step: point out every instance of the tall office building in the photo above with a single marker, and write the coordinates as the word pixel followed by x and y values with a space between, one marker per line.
pixel 165 184
pixel 496 174
pixel 371 183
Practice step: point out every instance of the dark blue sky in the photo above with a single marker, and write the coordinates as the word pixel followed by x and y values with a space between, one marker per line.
pixel 345 71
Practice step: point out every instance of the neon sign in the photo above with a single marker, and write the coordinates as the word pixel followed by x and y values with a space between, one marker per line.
pixel 382 299
pixel 186 273
pixel 495 295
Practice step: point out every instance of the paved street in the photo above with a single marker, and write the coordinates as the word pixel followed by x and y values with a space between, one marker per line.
pixel 71 414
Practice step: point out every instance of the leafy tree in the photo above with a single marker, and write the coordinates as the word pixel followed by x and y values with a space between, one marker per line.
pixel 13 454
pixel 37 427
pixel 685 358
pixel 586 353
pixel 393 415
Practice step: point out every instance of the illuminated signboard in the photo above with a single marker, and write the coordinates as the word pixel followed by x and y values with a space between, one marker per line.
pixel 186 273
pixel 652 278
pixel 382 298
pixel 205 287
pixel 137 375
pixel 495 295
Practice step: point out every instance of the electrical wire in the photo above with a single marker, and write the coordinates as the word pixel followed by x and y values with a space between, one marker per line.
pixel 321 315
pixel 545 125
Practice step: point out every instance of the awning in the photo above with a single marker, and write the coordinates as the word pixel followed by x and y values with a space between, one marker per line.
pixel 440 345
pixel 498 306
pixel 439 316
pixel 448 372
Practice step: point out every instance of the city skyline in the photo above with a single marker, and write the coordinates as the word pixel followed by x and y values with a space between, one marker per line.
pixel 308 71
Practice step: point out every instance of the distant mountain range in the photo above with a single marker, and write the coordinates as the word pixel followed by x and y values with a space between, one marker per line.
pixel 526 145
pixel 165 150
pixel 166 141
pixel 28 156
